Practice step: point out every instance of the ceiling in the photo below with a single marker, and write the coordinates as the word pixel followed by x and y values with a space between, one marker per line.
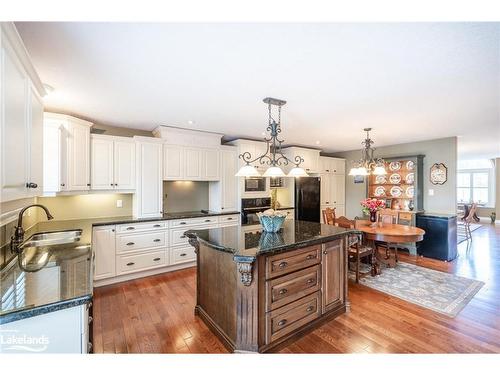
pixel 408 81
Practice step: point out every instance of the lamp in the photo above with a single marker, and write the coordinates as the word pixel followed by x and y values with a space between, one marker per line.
pixel 368 164
pixel 273 156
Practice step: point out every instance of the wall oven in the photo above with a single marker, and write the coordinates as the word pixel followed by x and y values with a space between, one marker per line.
pixel 251 206
pixel 255 184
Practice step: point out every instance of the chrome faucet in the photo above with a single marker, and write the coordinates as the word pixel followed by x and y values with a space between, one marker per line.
pixel 18 236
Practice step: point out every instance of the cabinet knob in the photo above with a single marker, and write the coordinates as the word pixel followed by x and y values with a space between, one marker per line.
pixel 31 185
pixel 325 252
pixel 327 202
pixel 310 281
pixel 112 184
pixel 63 185
pixel 310 256
pixel 282 264
pixel 88 184
pixel 130 263
pixel 283 291
pixel 282 322
pixel 310 308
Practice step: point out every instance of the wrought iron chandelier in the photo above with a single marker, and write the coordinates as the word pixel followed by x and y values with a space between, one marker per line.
pixel 368 164
pixel 273 157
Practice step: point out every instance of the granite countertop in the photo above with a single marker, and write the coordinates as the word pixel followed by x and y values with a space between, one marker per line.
pixel 247 242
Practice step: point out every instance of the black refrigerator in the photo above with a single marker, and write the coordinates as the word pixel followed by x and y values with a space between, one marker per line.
pixel 307 199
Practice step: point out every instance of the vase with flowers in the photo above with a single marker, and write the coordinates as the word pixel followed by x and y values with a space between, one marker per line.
pixel 370 206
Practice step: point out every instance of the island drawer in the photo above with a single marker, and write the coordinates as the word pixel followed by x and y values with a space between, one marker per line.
pixel 140 227
pixel 291 287
pixel 287 319
pixel 139 241
pixel 280 264
pixel 229 220
pixel 183 223
pixel 137 262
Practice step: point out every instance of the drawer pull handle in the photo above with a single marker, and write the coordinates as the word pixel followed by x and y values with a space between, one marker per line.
pixel 182 223
pixel 90 320
pixel 310 308
pixel 156 226
pixel 310 256
pixel 208 221
pixel 130 263
pixel 229 218
pixel 156 259
pixel 183 236
pixel 130 228
pixel 310 281
pixel 182 254
pixel 130 243
pixel 156 240
pixel 282 264
pixel 283 291
pixel 281 323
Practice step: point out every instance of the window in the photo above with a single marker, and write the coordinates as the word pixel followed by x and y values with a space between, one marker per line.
pixel 475 185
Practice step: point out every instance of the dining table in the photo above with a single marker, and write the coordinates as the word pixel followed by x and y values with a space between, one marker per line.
pixel 392 235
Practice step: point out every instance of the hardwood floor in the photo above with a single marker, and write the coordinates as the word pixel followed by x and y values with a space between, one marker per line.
pixel 155 314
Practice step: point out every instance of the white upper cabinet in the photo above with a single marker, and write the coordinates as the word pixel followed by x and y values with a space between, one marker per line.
pixel 192 157
pixel 210 165
pixel 148 200
pixel 102 163
pixel 173 162
pixel 124 163
pixel 331 165
pixel 112 163
pixel 66 163
pixel 21 110
pixel 310 156
pixel 224 194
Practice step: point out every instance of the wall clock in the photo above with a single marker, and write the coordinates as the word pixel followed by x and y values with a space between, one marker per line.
pixel 439 174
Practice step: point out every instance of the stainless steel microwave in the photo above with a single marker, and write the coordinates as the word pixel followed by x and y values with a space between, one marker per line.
pixel 255 184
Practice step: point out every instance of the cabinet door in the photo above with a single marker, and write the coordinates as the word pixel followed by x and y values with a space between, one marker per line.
pixel 52 168
pixel 124 164
pixel 149 188
pixel 103 245
pixel 259 149
pixel 192 158
pixel 325 164
pixel 325 189
pixel 36 143
pixel 14 130
pixel 211 165
pixel 101 151
pixel 229 182
pixel 333 275
pixel 173 168
pixel 338 166
pixel 338 189
pixel 78 168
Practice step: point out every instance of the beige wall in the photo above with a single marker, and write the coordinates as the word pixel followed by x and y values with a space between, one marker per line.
pixel 86 206
pixel 436 151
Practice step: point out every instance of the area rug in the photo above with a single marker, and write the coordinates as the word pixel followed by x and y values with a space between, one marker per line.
pixel 442 292
pixel 461 231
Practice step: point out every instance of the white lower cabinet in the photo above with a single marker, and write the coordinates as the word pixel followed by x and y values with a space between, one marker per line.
pixel 123 250
pixel 61 331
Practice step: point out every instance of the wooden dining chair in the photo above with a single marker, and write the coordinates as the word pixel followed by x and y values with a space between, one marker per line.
pixel 356 248
pixel 468 220
pixel 388 217
pixel 329 216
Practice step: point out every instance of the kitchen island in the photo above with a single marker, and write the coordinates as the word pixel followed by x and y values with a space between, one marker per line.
pixel 258 290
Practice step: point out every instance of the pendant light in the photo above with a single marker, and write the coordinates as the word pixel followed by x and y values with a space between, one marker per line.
pixel 368 164
pixel 273 157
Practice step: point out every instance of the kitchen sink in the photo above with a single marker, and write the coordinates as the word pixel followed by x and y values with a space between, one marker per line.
pixel 52 238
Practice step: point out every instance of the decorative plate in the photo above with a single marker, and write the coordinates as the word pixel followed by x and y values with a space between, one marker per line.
pixel 380 179
pixel 410 178
pixel 395 178
pixel 410 191
pixel 410 165
pixel 379 191
pixel 394 166
pixel 396 191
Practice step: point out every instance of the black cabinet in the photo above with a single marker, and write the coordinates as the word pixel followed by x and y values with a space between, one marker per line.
pixel 440 239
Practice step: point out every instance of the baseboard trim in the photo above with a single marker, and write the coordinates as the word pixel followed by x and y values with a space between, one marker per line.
pixel 141 274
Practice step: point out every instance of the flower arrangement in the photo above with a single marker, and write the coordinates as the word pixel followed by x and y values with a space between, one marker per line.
pixel 370 206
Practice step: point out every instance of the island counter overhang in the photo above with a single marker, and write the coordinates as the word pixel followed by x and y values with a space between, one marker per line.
pixel 258 290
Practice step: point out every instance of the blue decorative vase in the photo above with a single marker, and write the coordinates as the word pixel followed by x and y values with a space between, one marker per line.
pixel 271 224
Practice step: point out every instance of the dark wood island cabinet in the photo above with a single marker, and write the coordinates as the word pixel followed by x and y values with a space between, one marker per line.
pixel 258 290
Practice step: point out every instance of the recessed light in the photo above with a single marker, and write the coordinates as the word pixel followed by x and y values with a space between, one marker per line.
pixel 190 122
pixel 263 133
pixel 318 142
